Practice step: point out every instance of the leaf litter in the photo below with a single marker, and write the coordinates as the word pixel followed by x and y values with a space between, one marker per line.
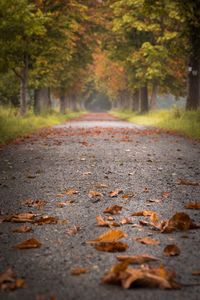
pixel 9 281
pixel 113 210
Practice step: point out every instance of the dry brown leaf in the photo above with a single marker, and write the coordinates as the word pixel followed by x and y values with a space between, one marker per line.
pixel 22 229
pixel 144 213
pixel 9 281
pixel 187 182
pixel 61 204
pixel 126 220
pixel 109 236
pixel 193 205
pixel 78 270
pixel 95 194
pixel 137 259
pixel 196 272
pixel 46 220
pixel 20 218
pixel 127 196
pixel 147 241
pixel 101 186
pixel 73 230
pixel 60 196
pixel 154 218
pixel 171 250
pixel 111 246
pixel 115 193
pixel 104 223
pixel 29 244
pixel 154 200
pixel 71 192
pixel 144 276
pixel 39 203
pixel 180 221
pixel 113 210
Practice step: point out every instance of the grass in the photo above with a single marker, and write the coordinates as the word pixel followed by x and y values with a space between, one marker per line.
pixel 175 119
pixel 13 126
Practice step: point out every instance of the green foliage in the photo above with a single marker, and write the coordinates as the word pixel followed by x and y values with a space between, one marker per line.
pixel 13 126
pixel 185 122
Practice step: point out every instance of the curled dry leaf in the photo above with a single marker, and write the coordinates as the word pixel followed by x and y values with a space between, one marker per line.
pixel 113 210
pixel 171 250
pixel 46 220
pixel 136 259
pixel 22 229
pixel 115 193
pixel 187 182
pixel 29 244
pixel 73 230
pixel 111 246
pixel 193 205
pixel 101 186
pixel 78 270
pixel 95 194
pixel 9 280
pixel 104 223
pixel 179 221
pixel 147 241
pixel 71 192
pixel 126 220
pixel 109 236
pixel 20 218
pixel 143 277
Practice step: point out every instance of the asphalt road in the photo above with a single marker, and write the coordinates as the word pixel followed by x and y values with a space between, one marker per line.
pixel 79 155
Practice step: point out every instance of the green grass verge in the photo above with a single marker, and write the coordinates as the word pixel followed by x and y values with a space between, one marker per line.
pixel 13 126
pixel 184 122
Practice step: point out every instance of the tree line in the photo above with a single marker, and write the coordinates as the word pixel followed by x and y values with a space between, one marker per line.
pixel 129 50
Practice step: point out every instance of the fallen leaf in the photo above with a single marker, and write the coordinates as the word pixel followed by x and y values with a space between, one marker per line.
pixel 165 194
pixel 154 200
pixel 127 196
pixel 109 236
pixel 193 205
pixel 20 218
pixel 101 186
pixel 9 280
pixel 137 259
pixel 31 176
pixel 180 221
pixel 29 244
pixel 144 277
pixel 46 220
pixel 61 204
pixel 71 192
pixel 104 223
pixel 22 229
pixel 171 250
pixel 39 203
pixel 147 241
pixel 144 213
pixel 78 270
pixel 154 218
pixel 60 196
pixel 196 272
pixel 95 194
pixel 126 220
pixel 115 193
pixel 113 210
pixel 73 230
pixel 111 246
pixel 187 182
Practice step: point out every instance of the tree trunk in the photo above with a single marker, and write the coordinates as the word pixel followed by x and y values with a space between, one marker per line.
pixel 153 99
pixel 136 100
pixel 42 100
pixel 144 105
pixel 62 104
pixel 193 95
pixel 24 87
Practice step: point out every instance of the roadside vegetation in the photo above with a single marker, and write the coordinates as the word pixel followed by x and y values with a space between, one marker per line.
pixel 13 126
pixel 175 119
